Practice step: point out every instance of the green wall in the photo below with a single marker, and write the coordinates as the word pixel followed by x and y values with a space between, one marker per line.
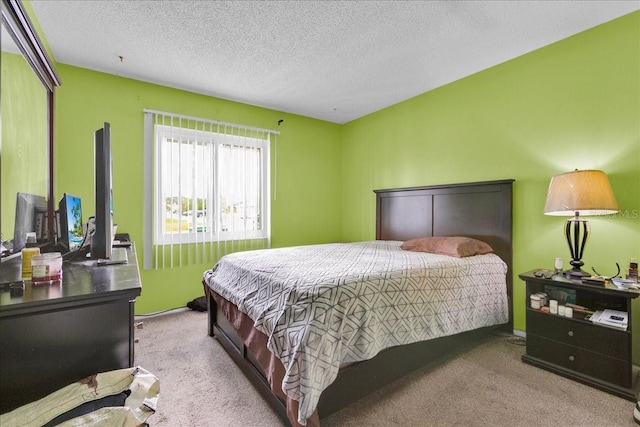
pixel 571 105
pixel 306 202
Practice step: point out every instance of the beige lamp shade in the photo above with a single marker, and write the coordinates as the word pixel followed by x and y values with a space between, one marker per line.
pixel 585 192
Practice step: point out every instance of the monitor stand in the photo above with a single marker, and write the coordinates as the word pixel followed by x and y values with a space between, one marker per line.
pixel 118 256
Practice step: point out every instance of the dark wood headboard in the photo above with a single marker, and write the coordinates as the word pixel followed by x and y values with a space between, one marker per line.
pixel 481 210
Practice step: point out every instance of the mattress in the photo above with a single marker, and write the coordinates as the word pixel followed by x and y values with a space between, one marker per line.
pixel 322 306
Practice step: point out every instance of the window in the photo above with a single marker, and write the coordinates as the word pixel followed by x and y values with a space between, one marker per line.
pixel 210 185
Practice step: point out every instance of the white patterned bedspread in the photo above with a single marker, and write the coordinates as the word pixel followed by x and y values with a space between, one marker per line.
pixel 325 305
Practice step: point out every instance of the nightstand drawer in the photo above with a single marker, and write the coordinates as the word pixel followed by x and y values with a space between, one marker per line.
pixel 577 359
pixel 598 339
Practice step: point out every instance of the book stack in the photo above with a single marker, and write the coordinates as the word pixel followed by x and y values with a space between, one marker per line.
pixel 612 318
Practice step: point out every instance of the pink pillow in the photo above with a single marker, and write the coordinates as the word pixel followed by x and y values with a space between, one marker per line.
pixel 453 246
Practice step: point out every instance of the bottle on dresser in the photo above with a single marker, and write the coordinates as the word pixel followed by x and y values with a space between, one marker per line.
pixel 28 252
pixel 633 270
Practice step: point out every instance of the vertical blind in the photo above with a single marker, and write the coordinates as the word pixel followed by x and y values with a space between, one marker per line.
pixel 207 189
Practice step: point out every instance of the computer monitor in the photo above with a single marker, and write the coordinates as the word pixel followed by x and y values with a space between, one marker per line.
pixel 27 208
pixel 102 238
pixel 71 233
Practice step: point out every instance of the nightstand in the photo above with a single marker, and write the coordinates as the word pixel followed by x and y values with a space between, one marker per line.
pixel 574 346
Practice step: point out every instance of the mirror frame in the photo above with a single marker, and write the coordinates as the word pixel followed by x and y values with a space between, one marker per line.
pixel 20 28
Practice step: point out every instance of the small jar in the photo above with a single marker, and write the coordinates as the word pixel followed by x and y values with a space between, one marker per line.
pixel 558 265
pixel 553 306
pixel 46 268
pixel 535 301
pixel 543 298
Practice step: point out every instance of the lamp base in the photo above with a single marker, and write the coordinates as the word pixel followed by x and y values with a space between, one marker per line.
pixel 576 274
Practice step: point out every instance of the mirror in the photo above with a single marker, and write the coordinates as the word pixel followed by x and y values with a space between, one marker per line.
pixel 25 159
pixel 27 86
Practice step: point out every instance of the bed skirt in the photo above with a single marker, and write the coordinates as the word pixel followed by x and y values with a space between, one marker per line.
pixel 264 360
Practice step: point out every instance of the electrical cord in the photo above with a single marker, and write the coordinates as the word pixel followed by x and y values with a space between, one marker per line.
pixel 515 340
pixel 611 277
pixel 511 338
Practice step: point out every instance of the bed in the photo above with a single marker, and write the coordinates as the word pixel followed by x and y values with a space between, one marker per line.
pixel 272 330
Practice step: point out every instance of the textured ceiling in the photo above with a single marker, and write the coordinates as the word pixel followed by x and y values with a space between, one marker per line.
pixel 331 60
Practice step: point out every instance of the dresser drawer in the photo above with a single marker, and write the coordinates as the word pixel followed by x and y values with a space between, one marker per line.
pixel 599 339
pixel 583 361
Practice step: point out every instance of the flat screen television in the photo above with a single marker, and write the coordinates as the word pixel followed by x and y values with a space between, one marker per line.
pixel 102 237
pixel 28 206
pixel 70 208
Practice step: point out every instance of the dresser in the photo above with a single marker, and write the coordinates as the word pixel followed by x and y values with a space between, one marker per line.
pixel 574 346
pixel 52 335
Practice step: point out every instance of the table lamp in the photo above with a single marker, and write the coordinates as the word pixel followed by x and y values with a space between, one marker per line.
pixel 577 194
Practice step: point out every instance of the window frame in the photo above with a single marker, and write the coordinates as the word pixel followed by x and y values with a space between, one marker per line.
pixel 216 139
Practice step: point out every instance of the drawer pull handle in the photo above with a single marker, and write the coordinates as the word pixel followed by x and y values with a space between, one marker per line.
pixel 572 358
pixel 570 333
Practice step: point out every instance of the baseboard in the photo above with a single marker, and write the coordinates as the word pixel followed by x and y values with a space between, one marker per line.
pixel 160 313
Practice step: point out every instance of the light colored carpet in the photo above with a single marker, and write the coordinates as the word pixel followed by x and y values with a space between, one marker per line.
pixel 487 385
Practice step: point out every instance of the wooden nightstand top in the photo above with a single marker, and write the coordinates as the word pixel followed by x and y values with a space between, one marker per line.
pixel 561 280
